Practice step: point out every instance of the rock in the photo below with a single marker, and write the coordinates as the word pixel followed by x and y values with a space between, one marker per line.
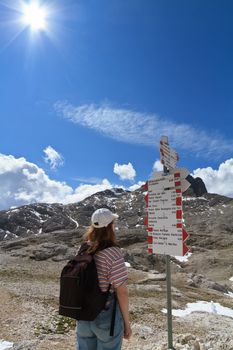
pixel 48 250
pixel 202 347
pixel 153 277
pixel 209 345
pixel 2 234
pixel 191 283
pixel 26 345
pixel 180 347
pixel 58 222
pixel 197 187
pixel 200 280
pixel 196 345
pixel 142 331
pixel 62 257
pixel 145 287
pixel 217 286
pixel 186 338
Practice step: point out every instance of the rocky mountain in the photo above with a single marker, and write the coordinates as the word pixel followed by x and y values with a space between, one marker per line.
pixel 42 231
pixel 43 218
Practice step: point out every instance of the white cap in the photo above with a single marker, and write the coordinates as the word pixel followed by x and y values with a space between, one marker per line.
pixel 102 217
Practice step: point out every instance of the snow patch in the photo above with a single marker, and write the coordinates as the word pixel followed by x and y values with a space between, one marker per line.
pixel 127 264
pixel 193 198
pixel 202 306
pixel 186 199
pixel 8 233
pixel 12 211
pixel 76 222
pixel 35 213
pixel 183 258
pixel 231 279
pixel 116 193
pixel 110 200
pixel 5 345
pixel 229 294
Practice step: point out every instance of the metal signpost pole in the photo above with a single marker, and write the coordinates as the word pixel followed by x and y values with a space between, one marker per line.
pixel 169 303
pixel 168 281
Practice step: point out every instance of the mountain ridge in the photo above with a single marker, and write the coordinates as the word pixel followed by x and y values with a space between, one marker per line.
pixel 42 217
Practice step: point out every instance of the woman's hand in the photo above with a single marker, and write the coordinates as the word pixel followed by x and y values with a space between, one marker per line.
pixel 127 331
pixel 122 296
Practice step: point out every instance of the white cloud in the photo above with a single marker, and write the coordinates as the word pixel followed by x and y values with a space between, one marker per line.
pixel 137 185
pixel 146 129
pixel 125 171
pixel 218 181
pixel 22 182
pixel 158 166
pixel 53 157
pixel 86 190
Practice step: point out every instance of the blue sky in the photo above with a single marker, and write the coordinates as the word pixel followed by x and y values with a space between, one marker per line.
pixel 96 87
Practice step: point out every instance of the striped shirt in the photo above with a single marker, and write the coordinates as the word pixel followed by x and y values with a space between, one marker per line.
pixel 111 268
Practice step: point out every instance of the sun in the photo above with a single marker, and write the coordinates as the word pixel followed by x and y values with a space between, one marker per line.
pixel 34 15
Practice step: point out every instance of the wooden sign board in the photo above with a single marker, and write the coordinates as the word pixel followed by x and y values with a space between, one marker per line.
pixel 168 156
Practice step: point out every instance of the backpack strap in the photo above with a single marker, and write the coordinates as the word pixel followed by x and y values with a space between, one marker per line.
pixel 82 250
pixel 112 325
pixel 113 316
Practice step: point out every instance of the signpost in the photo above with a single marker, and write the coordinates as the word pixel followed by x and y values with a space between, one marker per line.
pixel 164 221
pixel 168 156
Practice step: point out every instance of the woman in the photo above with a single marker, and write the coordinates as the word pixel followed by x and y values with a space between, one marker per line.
pixel 93 335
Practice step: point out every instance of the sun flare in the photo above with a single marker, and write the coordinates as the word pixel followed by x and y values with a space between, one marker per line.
pixel 34 16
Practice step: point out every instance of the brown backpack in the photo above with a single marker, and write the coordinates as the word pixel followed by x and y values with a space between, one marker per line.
pixel 80 295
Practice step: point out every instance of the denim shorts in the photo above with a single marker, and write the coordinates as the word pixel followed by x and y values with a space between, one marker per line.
pixel 95 335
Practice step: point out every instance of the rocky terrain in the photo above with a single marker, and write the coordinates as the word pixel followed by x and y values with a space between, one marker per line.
pixel 36 240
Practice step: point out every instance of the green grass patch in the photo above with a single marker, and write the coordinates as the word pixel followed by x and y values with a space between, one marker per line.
pixel 56 325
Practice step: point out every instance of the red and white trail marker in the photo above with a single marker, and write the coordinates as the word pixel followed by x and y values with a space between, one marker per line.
pixel 183 174
pixel 166 234
pixel 168 156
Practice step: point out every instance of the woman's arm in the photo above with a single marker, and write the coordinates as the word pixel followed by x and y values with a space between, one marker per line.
pixel 123 300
